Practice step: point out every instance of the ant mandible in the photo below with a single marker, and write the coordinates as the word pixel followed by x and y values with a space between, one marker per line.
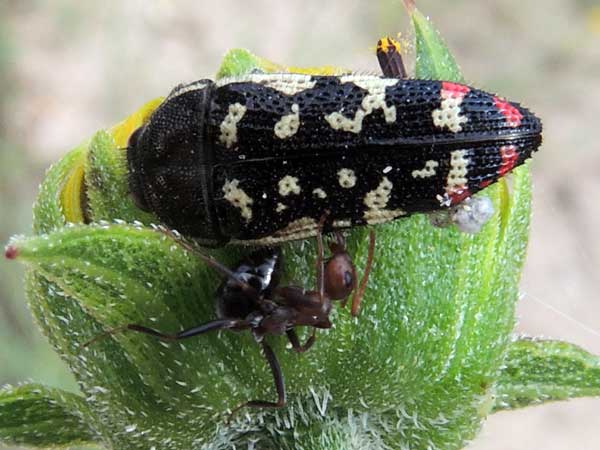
pixel 250 298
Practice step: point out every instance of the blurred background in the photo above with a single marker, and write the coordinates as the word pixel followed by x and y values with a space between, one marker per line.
pixel 69 68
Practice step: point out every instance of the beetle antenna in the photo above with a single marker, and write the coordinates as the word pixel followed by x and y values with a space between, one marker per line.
pixel 358 293
pixel 209 260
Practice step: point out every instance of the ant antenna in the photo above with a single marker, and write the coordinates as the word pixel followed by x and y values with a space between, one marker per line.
pixel 106 334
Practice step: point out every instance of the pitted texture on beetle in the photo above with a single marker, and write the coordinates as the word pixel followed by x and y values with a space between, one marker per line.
pixel 293 161
pixel 413 103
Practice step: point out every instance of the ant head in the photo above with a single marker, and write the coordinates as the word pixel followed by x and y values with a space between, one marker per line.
pixel 340 275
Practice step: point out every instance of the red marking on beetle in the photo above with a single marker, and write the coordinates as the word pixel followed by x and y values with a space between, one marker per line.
pixel 511 114
pixel 459 195
pixel 509 156
pixel 485 183
pixel 11 252
pixel 453 90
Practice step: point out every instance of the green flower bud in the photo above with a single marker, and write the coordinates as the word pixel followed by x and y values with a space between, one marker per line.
pixel 418 369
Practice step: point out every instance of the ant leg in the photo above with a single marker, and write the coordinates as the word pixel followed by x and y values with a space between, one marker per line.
pixel 293 337
pixel 222 324
pixel 358 293
pixel 279 384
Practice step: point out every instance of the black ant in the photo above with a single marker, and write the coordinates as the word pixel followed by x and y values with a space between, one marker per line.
pixel 250 298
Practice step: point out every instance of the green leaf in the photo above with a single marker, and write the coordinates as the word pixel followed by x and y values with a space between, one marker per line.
pixel 107 188
pixel 119 274
pixel 38 416
pixel 432 345
pixel 539 371
pixel 49 211
pixel 239 61
pixel 434 61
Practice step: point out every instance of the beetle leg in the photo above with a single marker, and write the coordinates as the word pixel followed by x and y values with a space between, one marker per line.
pixel 293 337
pixel 389 55
pixel 358 293
pixel 221 324
pixel 277 378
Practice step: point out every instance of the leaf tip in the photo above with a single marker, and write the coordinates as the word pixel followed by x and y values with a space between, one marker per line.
pixel 410 6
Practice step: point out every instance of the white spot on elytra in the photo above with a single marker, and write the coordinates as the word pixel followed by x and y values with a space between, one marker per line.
pixel 369 83
pixel 305 226
pixel 376 202
pixel 320 193
pixel 449 113
pixel 346 178
pixel 379 198
pixel 281 207
pixel 457 176
pixel 375 99
pixel 289 185
pixel 286 83
pixel 387 169
pixel 427 171
pixel 238 198
pixel 299 229
pixel 288 125
pixel 228 127
pixel 342 223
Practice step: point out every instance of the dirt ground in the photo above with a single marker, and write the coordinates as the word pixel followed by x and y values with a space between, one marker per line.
pixel 69 68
